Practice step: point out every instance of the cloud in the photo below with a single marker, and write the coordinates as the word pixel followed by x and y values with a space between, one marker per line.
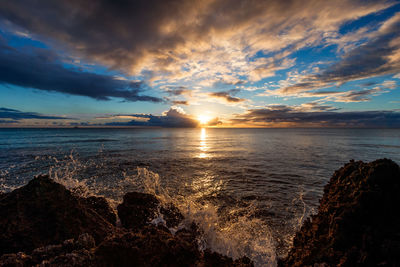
pixel 185 40
pixel 41 69
pixel 8 121
pixel 379 56
pixel 214 122
pixel 180 102
pixel 282 115
pixel 173 118
pixel 13 116
pixel 177 91
pixel 227 96
pixel 266 67
pixel 353 95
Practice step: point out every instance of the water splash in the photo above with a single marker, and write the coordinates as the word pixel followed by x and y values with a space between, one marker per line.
pixel 236 236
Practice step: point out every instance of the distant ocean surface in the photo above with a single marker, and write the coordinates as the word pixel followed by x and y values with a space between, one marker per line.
pixel 249 189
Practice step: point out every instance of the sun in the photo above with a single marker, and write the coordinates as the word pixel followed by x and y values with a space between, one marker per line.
pixel 203 119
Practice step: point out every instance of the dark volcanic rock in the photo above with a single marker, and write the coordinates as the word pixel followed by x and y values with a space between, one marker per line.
pixel 217 260
pixel 139 209
pixel 44 212
pixel 151 246
pixel 357 222
pixel 171 214
pixel 156 246
pixel 78 252
pixel 101 206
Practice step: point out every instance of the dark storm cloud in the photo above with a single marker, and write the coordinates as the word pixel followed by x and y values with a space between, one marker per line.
pixel 41 69
pixel 13 115
pixel 173 118
pixel 227 96
pixel 379 56
pixel 112 31
pixel 287 114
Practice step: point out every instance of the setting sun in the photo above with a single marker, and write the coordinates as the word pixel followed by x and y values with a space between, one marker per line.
pixel 203 119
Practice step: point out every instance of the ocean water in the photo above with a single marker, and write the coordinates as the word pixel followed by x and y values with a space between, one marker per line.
pixel 249 189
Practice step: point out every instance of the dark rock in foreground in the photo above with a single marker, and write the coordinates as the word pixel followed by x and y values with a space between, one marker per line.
pixel 358 222
pixel 44 212
pixel 71 252
pixel 139 209
pixel 44 224
pixel 101 206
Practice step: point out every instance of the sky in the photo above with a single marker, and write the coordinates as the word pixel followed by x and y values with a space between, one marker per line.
pixel 199 63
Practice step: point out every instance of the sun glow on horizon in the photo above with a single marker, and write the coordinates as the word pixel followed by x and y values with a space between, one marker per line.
pixel 203 119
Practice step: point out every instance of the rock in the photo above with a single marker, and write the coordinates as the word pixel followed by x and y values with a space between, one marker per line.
pixel 171 214
pixel 150 246
pixel 139 209
pixel 217 260
pixel 101 206
pixel 44 212
pixel 69 253
pixel 357 222
pixel 153 246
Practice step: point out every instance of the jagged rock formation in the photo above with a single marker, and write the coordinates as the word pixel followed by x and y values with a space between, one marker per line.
pixel 357 222
pixel 44 224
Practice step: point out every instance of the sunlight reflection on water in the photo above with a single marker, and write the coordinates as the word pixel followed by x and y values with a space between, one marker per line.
pixel 203 144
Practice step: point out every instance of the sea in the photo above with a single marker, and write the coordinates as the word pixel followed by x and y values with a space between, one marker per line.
pixel 249 190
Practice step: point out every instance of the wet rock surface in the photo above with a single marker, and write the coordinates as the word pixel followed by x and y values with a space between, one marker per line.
pixel 357 222
pixel 101 206
pixel 44 224
pixel 139 209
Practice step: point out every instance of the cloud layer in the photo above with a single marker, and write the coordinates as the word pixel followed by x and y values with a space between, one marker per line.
pixel 379 56
pixel 173 118
pixel 281 115
pixel 41 69
pixel 180 40
pixel 8 115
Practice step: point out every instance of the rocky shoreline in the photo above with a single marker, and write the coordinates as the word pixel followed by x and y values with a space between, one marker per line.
pixel 44 224
pixel 358 220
